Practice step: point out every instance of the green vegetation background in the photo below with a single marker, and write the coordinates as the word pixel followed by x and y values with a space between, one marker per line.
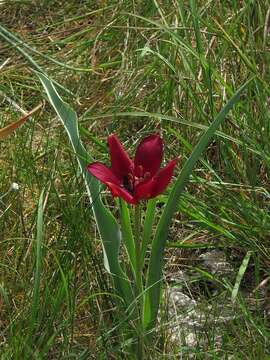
pixel 132 68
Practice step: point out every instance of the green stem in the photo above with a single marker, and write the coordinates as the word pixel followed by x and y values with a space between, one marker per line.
pixel 139 283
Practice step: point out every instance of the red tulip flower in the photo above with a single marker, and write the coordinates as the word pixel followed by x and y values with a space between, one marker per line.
pixel 138 179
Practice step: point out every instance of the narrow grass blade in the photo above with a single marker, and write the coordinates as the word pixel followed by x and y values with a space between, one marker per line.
pixel 173 119
pixel 239 277
pixel 4 295
pixel 4 132
pixel 39 238
pixel 17 41
pixel 183 245
pixel 13 41
pixel 200 49
pixel 107 226
pixel 154 276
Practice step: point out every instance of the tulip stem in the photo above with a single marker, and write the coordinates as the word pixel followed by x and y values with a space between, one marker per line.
pixel 139 284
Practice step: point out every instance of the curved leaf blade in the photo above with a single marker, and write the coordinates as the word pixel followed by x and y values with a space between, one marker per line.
pixel 148 227
pixel 107 226
pixel 126 228
pixel 154 276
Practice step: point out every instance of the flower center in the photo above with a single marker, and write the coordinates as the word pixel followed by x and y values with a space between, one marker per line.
pixel 131 181
pixel 128 183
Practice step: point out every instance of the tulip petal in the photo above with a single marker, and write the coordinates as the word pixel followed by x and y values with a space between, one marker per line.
pixel 118 191
pixel 148 155
pixel 120 161
pixel 103 173
pixel 163 178
pixel 144 189
pixel 106 176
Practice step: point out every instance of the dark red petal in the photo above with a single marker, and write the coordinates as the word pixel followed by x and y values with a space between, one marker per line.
pixel 148 155
pixel 118 191
pixel 121 163
pixel 103 173
pixel 144 189
pixel 163 178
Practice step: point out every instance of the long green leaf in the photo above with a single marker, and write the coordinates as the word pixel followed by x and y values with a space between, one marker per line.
pixel 148 227
pixel 154 275
pixel 107 226
pixel 126 228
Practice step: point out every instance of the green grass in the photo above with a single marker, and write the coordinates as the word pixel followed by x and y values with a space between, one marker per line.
pixel 131 68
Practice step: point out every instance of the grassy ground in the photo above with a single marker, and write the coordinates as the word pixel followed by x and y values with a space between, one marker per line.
pixel 132 68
